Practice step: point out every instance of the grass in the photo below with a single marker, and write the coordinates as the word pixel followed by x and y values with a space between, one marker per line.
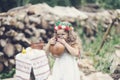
pixel 7 74
pixel 102 61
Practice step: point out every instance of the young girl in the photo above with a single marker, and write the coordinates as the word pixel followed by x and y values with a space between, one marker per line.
pixel 65 66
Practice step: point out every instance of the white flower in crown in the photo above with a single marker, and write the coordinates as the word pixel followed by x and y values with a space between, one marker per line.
pixel 63 26
pixel 56 28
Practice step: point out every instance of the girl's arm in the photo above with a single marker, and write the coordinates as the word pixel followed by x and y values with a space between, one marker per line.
pixel 73 50
pixel 46 47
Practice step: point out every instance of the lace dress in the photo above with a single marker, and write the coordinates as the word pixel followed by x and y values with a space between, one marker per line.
pixel 65 68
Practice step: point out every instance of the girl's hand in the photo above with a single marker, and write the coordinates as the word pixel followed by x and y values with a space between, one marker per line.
pixel 61 40
pixel 52 41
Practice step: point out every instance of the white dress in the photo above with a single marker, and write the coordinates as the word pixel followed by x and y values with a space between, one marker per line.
pixel 65 68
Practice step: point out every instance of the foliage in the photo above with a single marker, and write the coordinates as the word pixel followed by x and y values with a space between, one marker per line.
pixel 6 5
pixel 51 60
pixel 22 2
pixel 102 61
pixel 108 4
pixel 7 74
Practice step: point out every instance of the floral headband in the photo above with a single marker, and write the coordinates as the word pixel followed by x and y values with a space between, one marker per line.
pixel 63 25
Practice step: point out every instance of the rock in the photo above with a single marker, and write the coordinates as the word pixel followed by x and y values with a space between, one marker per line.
pixel 18 47
pixel 21 16
pixel 3 42
pixel 20 25
pixel 1 66
pixel 1 33
pixel 115 66
pixel 28 32
pixel 12 61
pixel 6 63
pixel 2 29
pixel 71 12
pixel 11 33
pixel 86 66
pixel 13 21
pixel 1 54
pixel 30 12
pixel 1 57
pixel 115 76
pixel 44 23
pixel 34 19
pixel 98 76
pixel 116 61
pixel 19 36
pixel 9 49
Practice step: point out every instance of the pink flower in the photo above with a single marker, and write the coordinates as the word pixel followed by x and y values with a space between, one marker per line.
pixel 59 27
pixel 67 28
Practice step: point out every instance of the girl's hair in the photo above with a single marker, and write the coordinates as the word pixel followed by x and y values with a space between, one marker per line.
pixel 74 40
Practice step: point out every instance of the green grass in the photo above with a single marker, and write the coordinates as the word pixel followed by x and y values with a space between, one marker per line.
pixel 7 74
pixel 102 61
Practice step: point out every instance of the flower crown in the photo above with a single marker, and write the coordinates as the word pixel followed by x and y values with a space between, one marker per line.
pixel 63 25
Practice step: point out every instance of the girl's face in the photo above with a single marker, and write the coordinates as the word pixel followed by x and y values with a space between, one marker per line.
pixel 62 34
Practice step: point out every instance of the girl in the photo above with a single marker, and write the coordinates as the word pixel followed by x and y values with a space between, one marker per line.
pixel 65 66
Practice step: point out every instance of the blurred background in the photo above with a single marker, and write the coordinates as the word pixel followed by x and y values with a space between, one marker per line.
pixel 5 5
pixel 97 22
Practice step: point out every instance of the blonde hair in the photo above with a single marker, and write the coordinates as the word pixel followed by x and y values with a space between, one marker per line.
pixel 74 40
